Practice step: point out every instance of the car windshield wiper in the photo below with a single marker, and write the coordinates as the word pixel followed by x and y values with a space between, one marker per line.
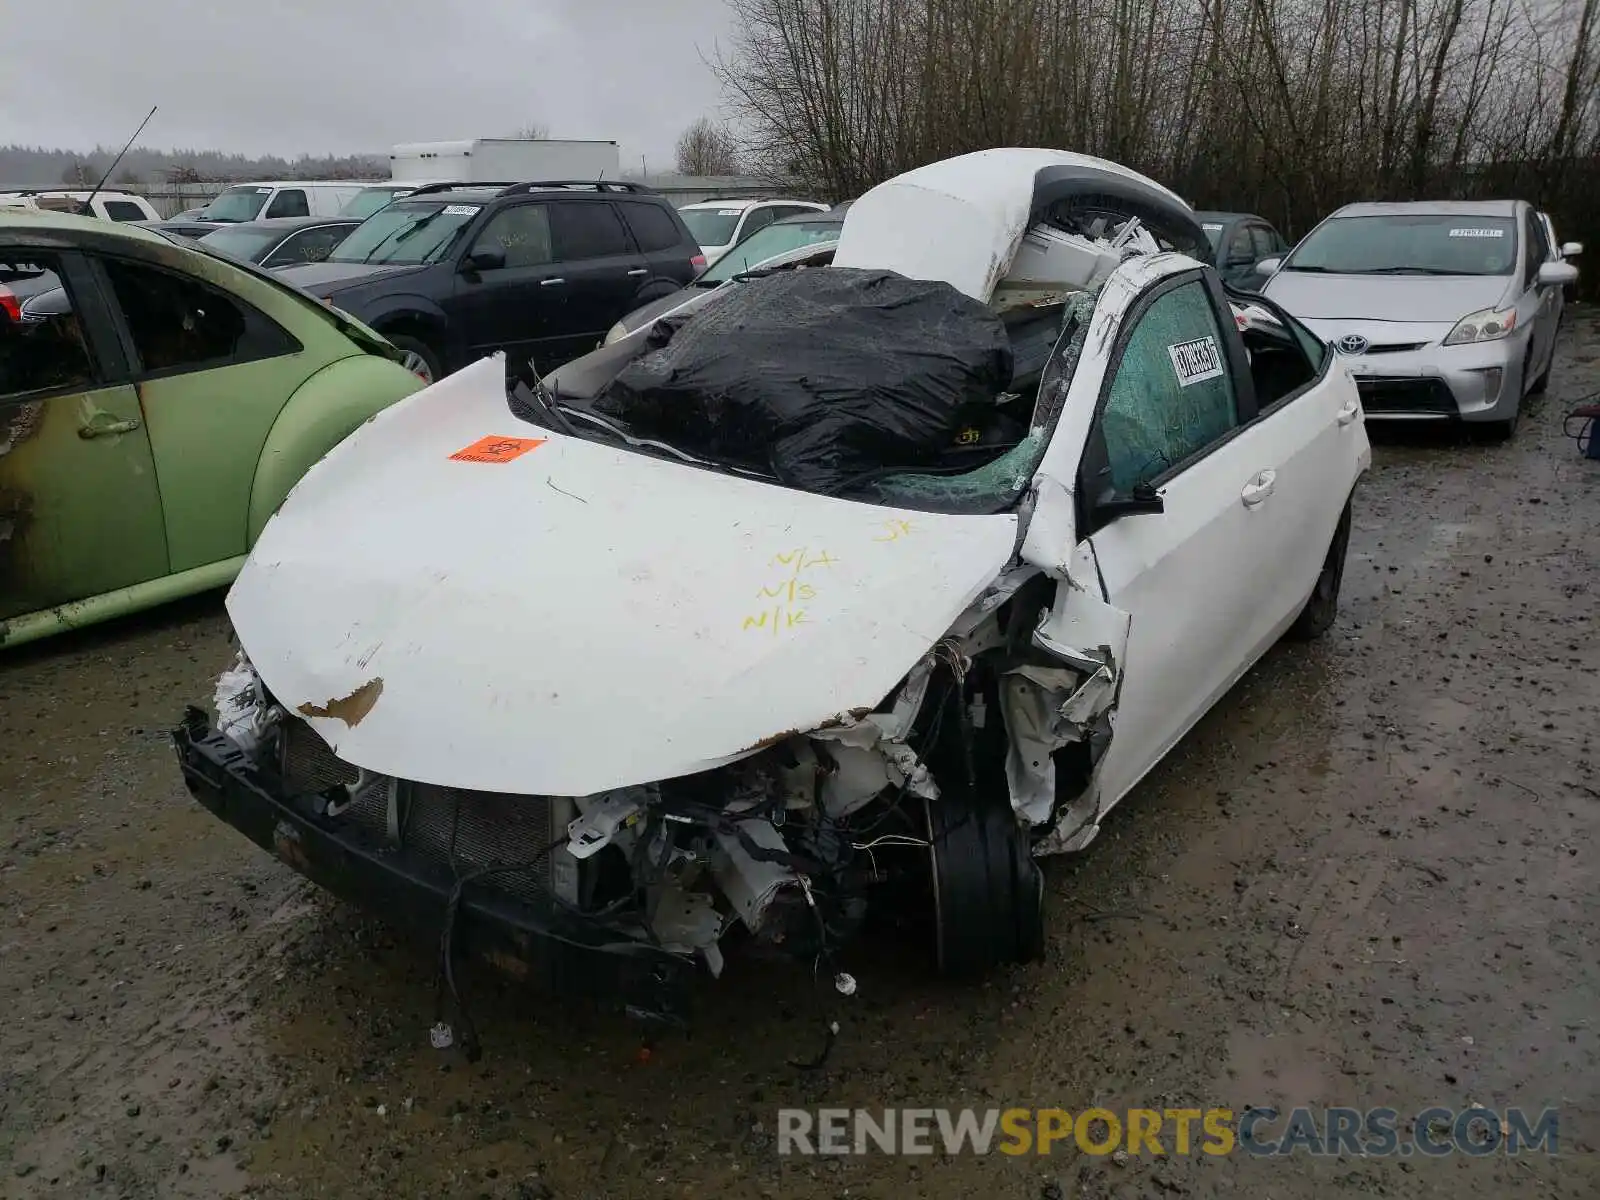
pixel 1314 270
pixel 1412 271
pixel 399 235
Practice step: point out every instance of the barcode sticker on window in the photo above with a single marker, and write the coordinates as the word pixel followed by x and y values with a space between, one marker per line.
pixel 1491 233
pixel 461 210
pixel 1196 361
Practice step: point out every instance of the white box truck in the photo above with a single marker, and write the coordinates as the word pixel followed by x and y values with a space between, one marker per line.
pixel 503 160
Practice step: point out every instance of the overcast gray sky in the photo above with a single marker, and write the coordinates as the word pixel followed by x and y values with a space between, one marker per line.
pixel 349 76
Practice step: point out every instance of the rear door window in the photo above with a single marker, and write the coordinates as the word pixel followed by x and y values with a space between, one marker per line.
pixel 124 210
pixel 178 324
pixel 653 227
pixel 582 229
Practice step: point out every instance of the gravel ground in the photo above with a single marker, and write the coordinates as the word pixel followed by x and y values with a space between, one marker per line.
pixel 1364 879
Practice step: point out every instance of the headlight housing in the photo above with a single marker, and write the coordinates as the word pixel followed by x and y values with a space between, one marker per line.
pixel 615 334
pixel 1485 325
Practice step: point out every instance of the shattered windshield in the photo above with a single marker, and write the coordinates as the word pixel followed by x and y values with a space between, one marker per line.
pixel 857 382
pixel 951 412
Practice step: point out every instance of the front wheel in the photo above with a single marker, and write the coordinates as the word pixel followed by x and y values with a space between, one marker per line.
pixel 1316 618
pixel 420 358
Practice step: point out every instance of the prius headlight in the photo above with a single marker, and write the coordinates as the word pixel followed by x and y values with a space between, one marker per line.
pixel 1485 325
pixel 615 334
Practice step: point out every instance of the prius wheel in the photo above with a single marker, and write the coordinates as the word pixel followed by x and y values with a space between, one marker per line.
pixel 988 892
pixel 1316 618
pixel 417 357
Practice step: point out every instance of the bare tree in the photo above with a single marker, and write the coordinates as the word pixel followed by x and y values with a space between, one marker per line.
pixel 707 148
pixel 1284 107
pixel 534 131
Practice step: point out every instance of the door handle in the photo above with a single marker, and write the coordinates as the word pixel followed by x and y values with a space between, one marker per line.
pixel 1349 412
pixel 551 282
pixel 1259 488
pixel 105 425
pixel 638 271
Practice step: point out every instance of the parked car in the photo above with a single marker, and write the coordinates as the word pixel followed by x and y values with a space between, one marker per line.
pixel 370 199
pixel 288 198
pixel 806 240
pixel 1442 310
pixel 280 241
pixel 125 480
pixel 867 587
pixel 719 224
pixel 1240 241
pixel 108 206
pixel 453 272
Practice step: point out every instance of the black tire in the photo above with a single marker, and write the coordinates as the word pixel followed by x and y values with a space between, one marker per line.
pixel 988 892
pixel 1316 618
pixel 1540 384
pixel 1501 431
pixel 429 358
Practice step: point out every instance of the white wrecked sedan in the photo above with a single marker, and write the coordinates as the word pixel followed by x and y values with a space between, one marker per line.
pixel 858 589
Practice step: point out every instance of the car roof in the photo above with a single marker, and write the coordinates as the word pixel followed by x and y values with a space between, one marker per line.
pixel 72 193
pixel 730 203
pixel 45 223
pixel 1443 208
pixel 747 202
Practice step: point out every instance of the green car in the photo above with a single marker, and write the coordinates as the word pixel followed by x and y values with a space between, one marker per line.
pixel 157 402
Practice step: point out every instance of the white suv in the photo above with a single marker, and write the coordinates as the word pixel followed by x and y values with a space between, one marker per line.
pixel 719 224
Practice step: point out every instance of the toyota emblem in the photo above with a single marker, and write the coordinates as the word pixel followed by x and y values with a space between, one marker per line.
pixel 1352 343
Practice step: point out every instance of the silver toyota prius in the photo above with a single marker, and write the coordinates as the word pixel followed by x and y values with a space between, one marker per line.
pixel 1441 310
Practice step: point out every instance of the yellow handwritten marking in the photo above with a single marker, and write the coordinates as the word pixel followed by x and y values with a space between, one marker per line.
pixel 790 592
pixel 895 530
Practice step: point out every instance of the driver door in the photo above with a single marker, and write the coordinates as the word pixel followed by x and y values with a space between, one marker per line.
pixel 80 509
pixel 1177 503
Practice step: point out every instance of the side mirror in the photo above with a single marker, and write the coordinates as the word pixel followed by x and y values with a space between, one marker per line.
pixel 484 259
pixel 1553 273
pixel 1571 249
pixel 1268 265
pixel 1121 506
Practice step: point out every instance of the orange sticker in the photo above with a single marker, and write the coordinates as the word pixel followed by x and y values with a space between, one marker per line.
pixel 496 449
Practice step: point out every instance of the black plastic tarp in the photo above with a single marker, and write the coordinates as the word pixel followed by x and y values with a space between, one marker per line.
pixel 821 376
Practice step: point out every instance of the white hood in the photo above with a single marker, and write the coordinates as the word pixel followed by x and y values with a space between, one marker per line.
pixel 579 617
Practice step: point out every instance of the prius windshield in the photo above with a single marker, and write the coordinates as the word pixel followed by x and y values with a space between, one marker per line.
pixel 236 204
pixel 1409 244
pixel 406 232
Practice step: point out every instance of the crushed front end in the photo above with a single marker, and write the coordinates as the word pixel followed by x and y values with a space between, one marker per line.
pixel 625 893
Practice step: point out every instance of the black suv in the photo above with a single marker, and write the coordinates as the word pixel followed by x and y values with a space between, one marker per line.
pixel 456 271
